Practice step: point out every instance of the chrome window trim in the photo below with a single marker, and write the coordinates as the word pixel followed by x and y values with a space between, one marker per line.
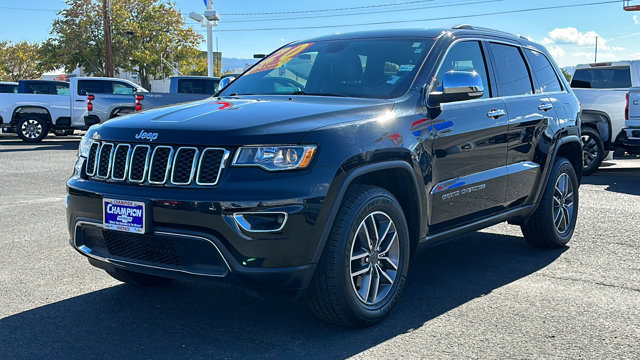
pixel 126 164
pixel 146 164
pixel 225 157
pixel 169 164
pixel 194 164
pixel 95 162
pixel 108 164
pixel 116 261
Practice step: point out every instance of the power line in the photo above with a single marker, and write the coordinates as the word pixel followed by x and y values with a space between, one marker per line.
pixel 366 12
pixel 423 20
pixel 327 10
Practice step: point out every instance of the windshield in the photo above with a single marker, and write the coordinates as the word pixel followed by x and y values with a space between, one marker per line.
pixel 602 78
pixel 369 68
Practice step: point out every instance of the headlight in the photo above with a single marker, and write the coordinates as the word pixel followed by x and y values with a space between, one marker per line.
pixel 274 158
pixel 85 145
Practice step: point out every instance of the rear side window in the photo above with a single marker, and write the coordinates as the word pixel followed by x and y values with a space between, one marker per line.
pixel 8 88
pixel 512 75
pixel 92 87
pixel 119 88
pixel 197 86
pixel 465 56
pixel 545 74
pixel 602 78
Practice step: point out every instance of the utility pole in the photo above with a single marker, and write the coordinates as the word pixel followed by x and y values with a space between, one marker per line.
pixel 210 40
pixel 596 56
pixel 108 50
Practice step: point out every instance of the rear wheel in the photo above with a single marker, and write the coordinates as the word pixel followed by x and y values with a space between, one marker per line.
pixel 553 223
pixel 363 269
pixel 593 151
pixel 32 129
pixel 137 279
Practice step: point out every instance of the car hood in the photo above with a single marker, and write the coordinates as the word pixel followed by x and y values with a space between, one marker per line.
pixel 238 121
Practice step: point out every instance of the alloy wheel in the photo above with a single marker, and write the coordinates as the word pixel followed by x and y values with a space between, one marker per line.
pixel 374 258
pixel 563 203
pixel 31 129
pixel 590 148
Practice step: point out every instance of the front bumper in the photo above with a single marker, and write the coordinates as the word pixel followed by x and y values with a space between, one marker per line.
pixel 193 232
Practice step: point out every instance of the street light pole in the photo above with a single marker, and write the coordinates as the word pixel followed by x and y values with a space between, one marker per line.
pixel 108 51
pixel 210 40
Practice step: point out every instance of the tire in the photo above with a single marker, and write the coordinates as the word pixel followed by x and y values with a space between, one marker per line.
pixel 545 228
pixel 593 151
pixel 335 295
pixel 137 279
pixel 32 129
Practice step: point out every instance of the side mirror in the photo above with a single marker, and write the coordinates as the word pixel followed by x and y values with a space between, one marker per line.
pixel 458 86
pixel 225 81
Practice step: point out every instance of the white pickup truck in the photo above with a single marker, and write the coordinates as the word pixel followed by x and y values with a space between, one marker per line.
pixel 33 116
pixel 601 89
pixel 632 123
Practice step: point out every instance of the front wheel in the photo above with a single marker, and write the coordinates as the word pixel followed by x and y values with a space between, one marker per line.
pixel 364 266
pixel 32 129
pixel 553 223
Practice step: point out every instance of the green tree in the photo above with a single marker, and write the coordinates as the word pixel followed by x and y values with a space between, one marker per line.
pixel 566 75
pixel 147 36
pixel 21 60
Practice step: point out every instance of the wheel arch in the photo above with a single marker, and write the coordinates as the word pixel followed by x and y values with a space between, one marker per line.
pixel 569 147
pixel 399 178
pixel 599 121
pixel 20 111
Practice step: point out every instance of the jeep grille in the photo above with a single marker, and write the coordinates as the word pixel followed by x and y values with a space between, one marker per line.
pixel 155 165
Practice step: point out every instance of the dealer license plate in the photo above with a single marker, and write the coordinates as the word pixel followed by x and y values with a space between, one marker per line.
pixel 124 215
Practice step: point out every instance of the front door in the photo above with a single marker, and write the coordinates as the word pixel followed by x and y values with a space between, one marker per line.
pixel 469 146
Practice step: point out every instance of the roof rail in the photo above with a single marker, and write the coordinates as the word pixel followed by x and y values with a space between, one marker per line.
pixel 470 27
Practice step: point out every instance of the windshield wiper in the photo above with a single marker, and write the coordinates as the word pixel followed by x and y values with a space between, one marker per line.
pixel 300 92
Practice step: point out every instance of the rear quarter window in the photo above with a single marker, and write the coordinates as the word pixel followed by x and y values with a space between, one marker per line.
pixel 602 78
pixel 544 72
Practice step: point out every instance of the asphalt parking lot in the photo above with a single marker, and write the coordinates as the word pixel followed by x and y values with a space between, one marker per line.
pixel 484 295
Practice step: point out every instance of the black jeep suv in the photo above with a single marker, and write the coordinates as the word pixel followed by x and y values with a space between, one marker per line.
pixel 323 168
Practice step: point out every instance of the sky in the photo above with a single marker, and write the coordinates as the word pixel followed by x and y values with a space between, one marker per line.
pixel 568 33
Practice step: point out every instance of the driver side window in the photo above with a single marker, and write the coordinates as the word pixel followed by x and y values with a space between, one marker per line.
pixel 464 56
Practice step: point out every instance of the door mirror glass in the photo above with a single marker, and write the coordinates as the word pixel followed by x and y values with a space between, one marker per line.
pixel 459 86
pixel 225 81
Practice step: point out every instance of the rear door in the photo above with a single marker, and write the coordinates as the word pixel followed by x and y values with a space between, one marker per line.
pixel 530 113
pixel 469 145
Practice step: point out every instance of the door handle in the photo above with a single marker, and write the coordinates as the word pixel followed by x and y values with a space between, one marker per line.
pixel 79 100
pixel 545 106
pixel 496 113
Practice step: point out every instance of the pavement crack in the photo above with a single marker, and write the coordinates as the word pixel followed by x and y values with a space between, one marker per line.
pixel 590 282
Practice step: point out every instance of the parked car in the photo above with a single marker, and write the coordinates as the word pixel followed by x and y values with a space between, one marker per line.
pixel 631 135
pixel 324 168
pixel 8 87
pixel 33 116
pixel 601 89
pixel 103 107
pixel 182 89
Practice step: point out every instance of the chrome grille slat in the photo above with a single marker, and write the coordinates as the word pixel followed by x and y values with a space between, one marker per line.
pixel 104 159
pixel 137 161
pixel 182 164
pixel 160 165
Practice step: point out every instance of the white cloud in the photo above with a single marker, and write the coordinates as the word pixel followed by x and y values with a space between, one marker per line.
pixel 572 36
pixel 556 51
pixel 636 20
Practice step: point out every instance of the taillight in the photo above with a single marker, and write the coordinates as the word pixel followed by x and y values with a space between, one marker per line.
pixel 89 104
pixel 626 108
pixel 138 105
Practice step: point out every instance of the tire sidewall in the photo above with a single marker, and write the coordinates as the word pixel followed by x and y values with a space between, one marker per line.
pixel 563 167
pixel 390 206
pixel 43 123
pixel 596 164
